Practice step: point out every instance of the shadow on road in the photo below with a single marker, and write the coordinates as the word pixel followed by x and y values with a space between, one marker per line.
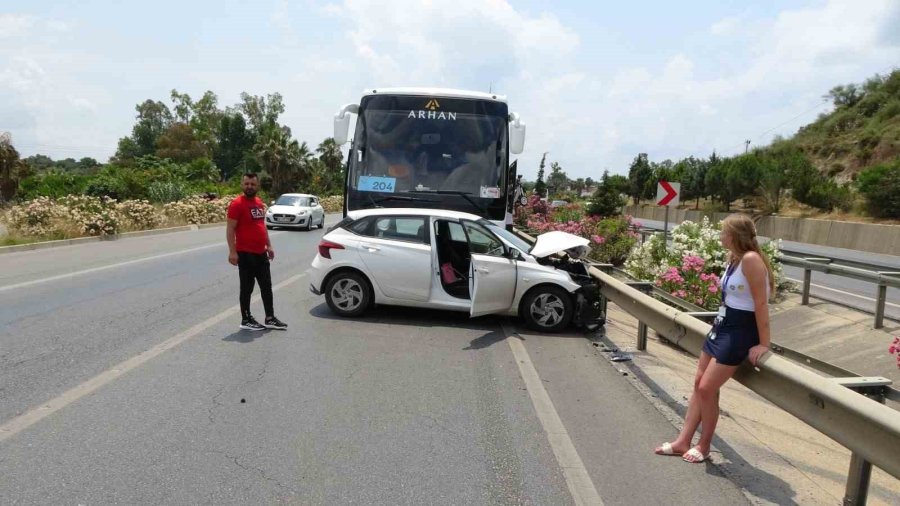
pixel 245 336
pixel 412 317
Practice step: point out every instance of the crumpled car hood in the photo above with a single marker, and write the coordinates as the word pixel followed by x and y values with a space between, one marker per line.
pixel 555 242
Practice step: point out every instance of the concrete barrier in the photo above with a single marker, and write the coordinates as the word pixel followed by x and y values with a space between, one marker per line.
pixel 884 239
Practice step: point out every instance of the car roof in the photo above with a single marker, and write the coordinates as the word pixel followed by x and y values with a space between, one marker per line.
pixel 412 211
pixel 297 195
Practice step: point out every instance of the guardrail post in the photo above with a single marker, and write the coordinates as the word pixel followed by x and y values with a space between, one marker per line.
pixel 807 278
pixel 860 473
pixel 645 288
pixel 879 305
pixel 882 297
pixel 608 269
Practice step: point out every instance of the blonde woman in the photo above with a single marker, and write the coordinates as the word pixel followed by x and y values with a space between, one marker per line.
pixel 740 331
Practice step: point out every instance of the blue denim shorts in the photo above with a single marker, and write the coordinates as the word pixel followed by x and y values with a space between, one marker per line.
pixel 735 335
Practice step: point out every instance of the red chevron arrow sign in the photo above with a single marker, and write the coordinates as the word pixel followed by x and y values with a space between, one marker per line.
pixel 667 193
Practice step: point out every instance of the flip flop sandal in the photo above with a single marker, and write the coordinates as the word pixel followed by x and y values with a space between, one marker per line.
pixel 696 455
pixel 666 449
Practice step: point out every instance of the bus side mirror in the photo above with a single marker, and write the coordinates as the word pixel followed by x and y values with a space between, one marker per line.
pixel 516 134
pixel 342 123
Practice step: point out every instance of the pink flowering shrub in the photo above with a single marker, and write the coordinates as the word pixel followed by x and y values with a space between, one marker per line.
pixel 894 349
pixel 611 239
pixel 690 281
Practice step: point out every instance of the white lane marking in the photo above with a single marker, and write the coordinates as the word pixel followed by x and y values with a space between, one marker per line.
pixel 29 418
pixel 24 284
pixel 800 282
pixel 577 478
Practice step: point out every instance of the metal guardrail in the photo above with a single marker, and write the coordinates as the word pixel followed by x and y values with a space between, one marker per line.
pixel 883 279
pixel 880 275
pixel 870 430
pixel 707 316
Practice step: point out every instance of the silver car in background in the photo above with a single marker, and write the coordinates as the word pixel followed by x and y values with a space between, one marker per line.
pixel 295 210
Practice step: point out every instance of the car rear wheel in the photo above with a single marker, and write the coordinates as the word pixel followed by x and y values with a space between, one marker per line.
pixel 547 309
pixel 348 294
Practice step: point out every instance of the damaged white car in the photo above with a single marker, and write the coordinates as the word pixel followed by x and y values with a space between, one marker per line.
pixel 456 261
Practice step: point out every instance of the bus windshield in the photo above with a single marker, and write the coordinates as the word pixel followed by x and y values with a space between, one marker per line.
pixel 410 150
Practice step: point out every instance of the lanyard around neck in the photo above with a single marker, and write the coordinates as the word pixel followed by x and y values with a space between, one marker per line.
pixel 728 273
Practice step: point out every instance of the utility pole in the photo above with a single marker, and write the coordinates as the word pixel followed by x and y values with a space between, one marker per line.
pixel 746 145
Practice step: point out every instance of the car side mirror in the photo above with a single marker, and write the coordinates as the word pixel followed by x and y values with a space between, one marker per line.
pixel 272 203
pixel 514 254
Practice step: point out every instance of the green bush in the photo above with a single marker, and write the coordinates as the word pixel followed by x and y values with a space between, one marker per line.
pixel 828 195
pixel 106 185
pixel 163 192
pixel 51 184
pixel 872 103
pixel 880 185
pixel 889 110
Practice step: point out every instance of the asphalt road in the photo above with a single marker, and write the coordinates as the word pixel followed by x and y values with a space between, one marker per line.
pixel 849 292
pixel 124 379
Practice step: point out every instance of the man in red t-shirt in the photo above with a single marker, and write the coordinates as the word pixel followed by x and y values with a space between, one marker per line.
pixel 250 249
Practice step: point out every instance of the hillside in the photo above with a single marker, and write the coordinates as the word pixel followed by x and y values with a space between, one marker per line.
pixel 863 129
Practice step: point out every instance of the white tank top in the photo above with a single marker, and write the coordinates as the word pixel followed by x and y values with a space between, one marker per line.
pixel 737 291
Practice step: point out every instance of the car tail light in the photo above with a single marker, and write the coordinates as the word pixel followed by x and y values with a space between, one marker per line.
pixel 325 248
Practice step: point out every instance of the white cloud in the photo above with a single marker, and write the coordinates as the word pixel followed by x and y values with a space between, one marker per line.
pixel 712 96
pixel 13 25
pixel 726 26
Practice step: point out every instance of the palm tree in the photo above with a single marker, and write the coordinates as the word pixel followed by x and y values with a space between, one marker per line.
pixel 281 157
pixel 12 169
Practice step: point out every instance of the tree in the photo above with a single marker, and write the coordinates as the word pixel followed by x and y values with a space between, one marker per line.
pixel 558 180
pixel 716 182
pixel 280 156
pixel 690 173
pixel 261 112
pixel 178 144
pixel 204 116
pixel 153 119
pixel 639 173
pixel 845 95
pixel 772 182
pixel 539 186
pixel 39 163
pixel 87 163
pixel 12 169
pixel 331 163
pixel 578 186
pixel 233 141
pixel 607 201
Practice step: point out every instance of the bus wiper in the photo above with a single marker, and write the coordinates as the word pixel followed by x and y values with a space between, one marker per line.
pixel 465 195
pixel 374 204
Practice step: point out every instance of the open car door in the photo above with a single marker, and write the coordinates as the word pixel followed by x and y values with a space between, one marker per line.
pixel 492 276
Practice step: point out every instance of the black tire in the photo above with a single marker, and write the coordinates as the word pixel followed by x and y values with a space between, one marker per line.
pixel 547 309
pixel 269 227
pixel 348 294
pixel 308 226
pixel 322 223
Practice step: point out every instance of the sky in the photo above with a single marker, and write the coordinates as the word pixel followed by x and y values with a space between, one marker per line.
pixel 596 82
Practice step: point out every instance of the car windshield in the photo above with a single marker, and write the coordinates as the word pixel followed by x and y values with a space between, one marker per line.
pixel 506 235
pixel 289 200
